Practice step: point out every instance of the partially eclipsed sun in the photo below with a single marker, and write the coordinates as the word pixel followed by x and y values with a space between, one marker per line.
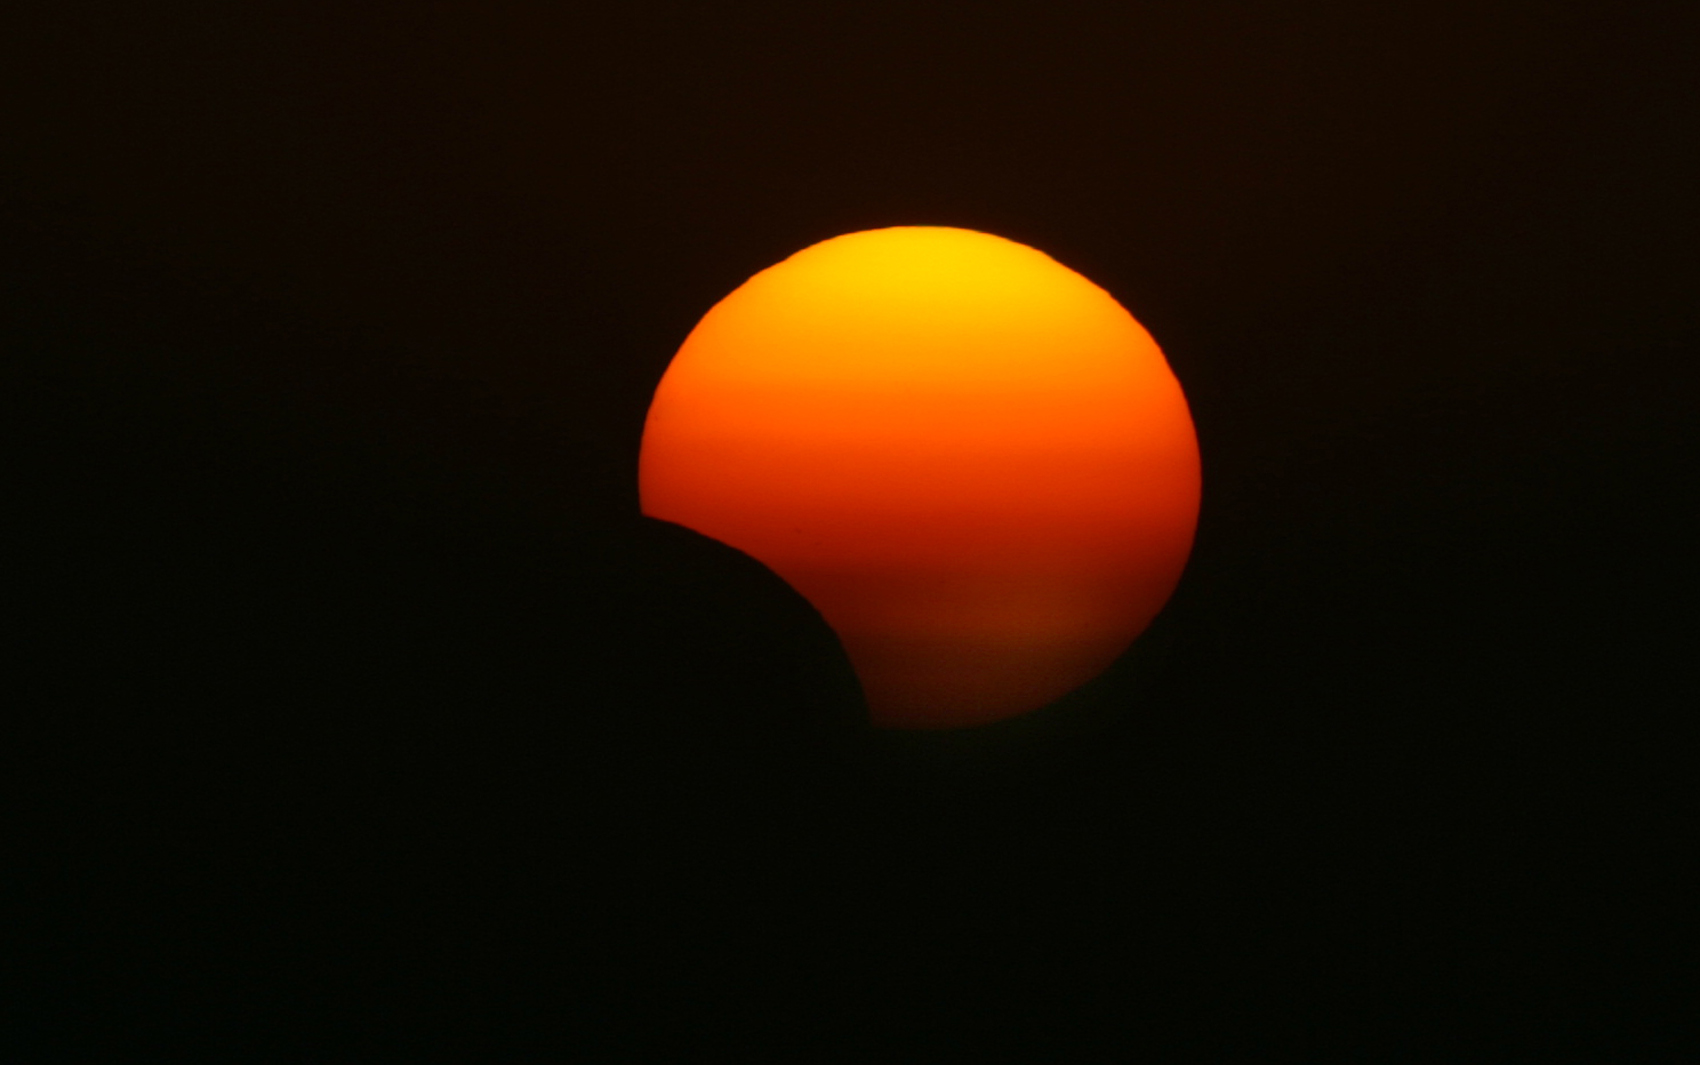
pixel 973 462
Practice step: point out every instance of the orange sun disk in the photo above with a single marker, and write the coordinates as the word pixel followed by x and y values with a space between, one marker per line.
pixel 975 464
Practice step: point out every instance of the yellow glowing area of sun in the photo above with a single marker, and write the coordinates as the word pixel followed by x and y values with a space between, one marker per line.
pixel 973 461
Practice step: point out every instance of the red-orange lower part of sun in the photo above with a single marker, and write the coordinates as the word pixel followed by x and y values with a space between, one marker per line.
pixel 973 462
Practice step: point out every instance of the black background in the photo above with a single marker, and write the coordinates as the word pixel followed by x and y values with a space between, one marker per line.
pixel 356 716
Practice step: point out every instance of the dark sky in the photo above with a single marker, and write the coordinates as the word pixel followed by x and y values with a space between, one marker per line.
pixel 359 717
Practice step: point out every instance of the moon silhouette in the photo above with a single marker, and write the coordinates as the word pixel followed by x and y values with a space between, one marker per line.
pixel 973 461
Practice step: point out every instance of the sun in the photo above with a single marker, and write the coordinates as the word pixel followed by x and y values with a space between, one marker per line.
pixel 972 460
